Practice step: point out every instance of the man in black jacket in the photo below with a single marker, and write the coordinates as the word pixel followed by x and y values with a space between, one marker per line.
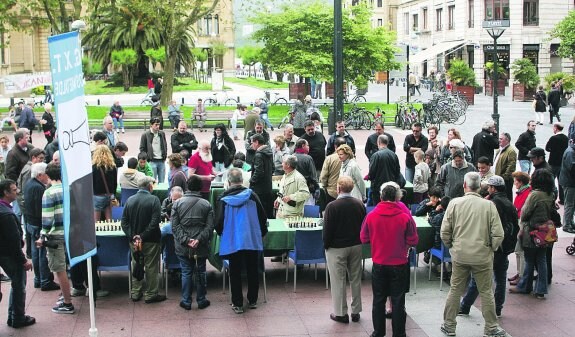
pixel 554 98
pixel 33 192
pixel 556 146
pixel 12 258
pixel 339 132
pixel 258 130
pixel 262 169
pixel 524 143
pixel 183 139
pixel 317 143
pixel 141 224
pixel 371 143
pixel 415 141
pixel 383 167
pixel 19 155
pixel 508 215
pixel 485 142
pixel 153 142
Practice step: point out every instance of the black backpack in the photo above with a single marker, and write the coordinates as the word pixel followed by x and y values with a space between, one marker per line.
pixel 509 221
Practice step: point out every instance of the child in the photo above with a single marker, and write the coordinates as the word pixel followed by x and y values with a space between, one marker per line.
pixel 420 178
pixel 430 204
pixel 143 165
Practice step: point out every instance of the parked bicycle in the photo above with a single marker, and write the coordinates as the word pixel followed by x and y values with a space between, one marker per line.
pixel 277 100
pixel 358 118
pixel 225 100
pixel 355 99
pixel 407 114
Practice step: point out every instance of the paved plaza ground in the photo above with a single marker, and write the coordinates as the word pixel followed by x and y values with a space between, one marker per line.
pixel 306 313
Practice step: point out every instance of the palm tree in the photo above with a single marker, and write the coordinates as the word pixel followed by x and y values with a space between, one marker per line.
pixel 119 28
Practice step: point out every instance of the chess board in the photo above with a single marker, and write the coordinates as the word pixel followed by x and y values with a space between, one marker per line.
pixel 303 223
pixel 114 226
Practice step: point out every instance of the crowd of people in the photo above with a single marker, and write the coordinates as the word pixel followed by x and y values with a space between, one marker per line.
pixel 448 177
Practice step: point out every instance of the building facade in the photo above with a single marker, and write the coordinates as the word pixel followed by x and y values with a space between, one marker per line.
pixel 441 30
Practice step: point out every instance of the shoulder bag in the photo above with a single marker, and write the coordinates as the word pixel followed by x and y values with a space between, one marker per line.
pixel 544 235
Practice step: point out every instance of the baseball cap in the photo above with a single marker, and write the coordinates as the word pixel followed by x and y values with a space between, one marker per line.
pixel 536 152
pixel 495 181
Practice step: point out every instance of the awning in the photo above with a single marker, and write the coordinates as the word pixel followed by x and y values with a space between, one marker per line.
pixel 433 51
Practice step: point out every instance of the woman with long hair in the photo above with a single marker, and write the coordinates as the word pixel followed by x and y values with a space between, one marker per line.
pixel 223 148
pixel 299 116
pixel 350 168
pixel 104 179
pixel 535 212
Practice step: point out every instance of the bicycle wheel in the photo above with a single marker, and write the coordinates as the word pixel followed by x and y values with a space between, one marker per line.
pixel 231 101
pixel 283 122
pixel 461 119
pixel 210 101
pixel 368 119
pixel 281 101
pixel 359 99
pixel 398 121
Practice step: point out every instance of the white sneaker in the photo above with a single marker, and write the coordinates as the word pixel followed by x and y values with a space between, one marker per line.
pixel 123 131
pixel 117 130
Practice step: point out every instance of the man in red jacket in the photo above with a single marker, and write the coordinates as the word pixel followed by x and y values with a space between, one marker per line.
pixel 391 231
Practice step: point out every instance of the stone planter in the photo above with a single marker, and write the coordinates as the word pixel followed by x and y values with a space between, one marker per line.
pixel 330 88
pixel 521 93
pixel 500 87
pixel 468 92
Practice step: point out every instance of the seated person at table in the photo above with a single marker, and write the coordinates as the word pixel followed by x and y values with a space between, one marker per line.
pixel 129 177
pixel 237 163
pixel 293 191
pixel 428 205
pixel 176 193
pixel 435 219
pixel 143 165
pixel 193 225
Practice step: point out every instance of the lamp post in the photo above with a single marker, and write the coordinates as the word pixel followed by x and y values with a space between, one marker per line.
pixel 495 28
pixel 337 112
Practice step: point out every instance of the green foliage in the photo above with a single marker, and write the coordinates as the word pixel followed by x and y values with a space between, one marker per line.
pixel 489 67
pixel 460 73
pixel 200 54
pixel 26 15
pixel 156 55
pixel 257 83
pixel 125 58
pixel 525 72
pixel 565 31
pixel 568 80
pixel 218 47
pixel 250 55
pixel 91 67
pixel 39 90
pixel 299 40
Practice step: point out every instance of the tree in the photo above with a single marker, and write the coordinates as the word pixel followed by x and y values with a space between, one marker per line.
pixel 25 15
pixel 125 58
pixel 250 55
pixel 156 55
pixel 175 20
pixel 120 27
pixel 201 55
pixel 299 40
pixel 565 31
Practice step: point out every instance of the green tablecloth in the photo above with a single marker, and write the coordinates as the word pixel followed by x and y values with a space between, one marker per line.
pixel 160 190
pixel 281 238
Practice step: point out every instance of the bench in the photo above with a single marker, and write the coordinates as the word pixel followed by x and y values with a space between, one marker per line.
pixel 218 116
pixel 132 120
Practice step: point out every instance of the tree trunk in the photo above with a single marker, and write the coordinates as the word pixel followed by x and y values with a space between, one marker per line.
pixel 126 77
pixel 280 76
pixel 168 87
pixel 266 72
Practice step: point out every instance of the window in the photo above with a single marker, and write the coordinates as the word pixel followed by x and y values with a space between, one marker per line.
pixel 470 14
pixel 451 17
pixel 210 25
pixel 530 12
pixel 425 19
pixel 406 23
pixel 379 22
pixel 496 9
pixel 415 22
pixel 439 19
pixel 379 3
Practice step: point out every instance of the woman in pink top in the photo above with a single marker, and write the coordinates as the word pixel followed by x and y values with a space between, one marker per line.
pixel 521 183
pixel 200 164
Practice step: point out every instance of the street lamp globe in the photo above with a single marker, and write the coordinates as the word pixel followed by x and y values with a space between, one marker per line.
pixel 78 25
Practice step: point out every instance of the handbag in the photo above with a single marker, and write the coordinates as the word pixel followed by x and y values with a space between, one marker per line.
pixel 544 235
pixel 534 104
pixel 113 201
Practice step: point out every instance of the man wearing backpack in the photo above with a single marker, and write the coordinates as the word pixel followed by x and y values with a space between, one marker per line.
pixel 508 215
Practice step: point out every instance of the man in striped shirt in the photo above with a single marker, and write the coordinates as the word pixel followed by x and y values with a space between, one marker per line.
pixel 53 229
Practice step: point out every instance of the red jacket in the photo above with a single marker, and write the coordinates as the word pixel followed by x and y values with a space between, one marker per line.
pixel 391 231
pixel 520 200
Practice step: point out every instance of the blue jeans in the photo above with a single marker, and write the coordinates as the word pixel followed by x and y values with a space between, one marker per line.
pixel 116 121
pixel 409 173
pixel 188 265
pixel 500 265
pixel 525 165
pixel 533 257
pixel 42 274
pixel 392 281
pixel 265 119
pixel 174 121
pixel 17 301
pixel 159 169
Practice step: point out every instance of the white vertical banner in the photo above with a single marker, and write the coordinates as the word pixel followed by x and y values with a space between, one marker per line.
pixel 74 145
